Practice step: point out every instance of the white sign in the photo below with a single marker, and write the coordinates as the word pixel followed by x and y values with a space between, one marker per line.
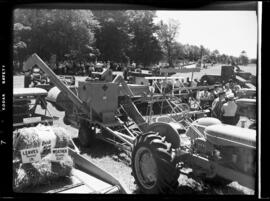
pixel 59 154
pixel 46 136
pixel 30 155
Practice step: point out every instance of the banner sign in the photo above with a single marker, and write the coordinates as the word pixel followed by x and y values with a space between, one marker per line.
pixel 30 155
pixel 59 154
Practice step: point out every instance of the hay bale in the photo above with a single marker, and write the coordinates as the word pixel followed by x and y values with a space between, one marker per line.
pixel 33 137
pixel 44 172
pixel 62 137
pixel 26 138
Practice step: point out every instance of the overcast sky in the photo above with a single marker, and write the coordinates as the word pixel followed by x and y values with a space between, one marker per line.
pixel 230 32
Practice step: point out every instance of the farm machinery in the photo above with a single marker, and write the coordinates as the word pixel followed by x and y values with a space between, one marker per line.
pixel 32 120
pixel 104 109
pixel 244 79
pixel 26 103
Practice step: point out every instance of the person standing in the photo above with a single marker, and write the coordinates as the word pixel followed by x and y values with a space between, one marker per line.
pixel 217 104
pixel 229 111
pixel 27 79
pixel 216 91
pixel 227 89
pixel 125 73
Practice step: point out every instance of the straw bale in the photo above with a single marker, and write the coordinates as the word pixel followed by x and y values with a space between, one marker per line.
pixel 44 172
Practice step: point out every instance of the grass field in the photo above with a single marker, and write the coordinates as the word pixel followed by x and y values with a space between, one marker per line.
pixel 117 162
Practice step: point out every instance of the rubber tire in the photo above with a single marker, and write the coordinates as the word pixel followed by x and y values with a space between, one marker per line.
pixel 86 134
pixel 171 137
pixel 167 172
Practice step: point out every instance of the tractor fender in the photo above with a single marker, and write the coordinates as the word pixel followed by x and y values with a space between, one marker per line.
pixel 167 130
pixel 207 121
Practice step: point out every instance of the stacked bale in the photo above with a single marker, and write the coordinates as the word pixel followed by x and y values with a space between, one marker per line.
pixel 46 171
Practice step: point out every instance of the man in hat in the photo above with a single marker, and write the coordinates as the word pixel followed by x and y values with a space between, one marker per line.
pixel 229 111
pixel 217 104
pixel 216 91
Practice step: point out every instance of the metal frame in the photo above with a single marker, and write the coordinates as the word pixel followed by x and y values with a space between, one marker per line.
pixel 45 118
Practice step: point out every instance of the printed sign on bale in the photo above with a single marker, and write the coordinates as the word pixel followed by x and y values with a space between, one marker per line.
pixel 30 155
pixel 59 154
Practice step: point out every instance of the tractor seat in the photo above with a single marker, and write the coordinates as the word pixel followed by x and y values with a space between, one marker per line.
pixel 227 135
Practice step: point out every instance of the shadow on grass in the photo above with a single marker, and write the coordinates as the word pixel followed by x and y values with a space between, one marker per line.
pixel 100 149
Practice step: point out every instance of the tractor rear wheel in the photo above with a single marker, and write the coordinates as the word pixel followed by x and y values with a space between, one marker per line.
pixel 86 134
pixel 153 164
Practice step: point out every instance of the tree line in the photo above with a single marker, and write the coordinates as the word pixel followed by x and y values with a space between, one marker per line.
pixel 121 36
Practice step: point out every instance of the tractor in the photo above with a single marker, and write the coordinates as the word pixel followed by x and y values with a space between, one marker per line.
pixel 105 109
pixel 30 107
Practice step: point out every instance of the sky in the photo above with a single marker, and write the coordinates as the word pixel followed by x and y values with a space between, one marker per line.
pixel 229 32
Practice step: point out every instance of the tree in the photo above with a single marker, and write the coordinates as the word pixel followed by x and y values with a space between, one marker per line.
pixel 112 37
pixel 214 56
pixel 178 53
pixel 167 33
pixel 19 46
pixel 243 58
pixel 253 60
pixel 57 32
pixel 144 46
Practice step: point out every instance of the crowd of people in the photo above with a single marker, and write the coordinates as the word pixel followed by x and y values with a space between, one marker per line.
pixel 85 69
pixel 221 101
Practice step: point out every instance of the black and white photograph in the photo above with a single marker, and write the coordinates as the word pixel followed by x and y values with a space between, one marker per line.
pixel 135 101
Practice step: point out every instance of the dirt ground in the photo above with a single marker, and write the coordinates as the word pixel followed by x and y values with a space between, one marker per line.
pixel 117 163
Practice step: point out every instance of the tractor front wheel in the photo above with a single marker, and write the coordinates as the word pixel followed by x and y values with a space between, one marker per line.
pixel 86 134
pixel 153 164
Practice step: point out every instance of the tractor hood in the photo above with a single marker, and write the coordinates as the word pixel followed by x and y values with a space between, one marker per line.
pixel 227 135
pixel 17 92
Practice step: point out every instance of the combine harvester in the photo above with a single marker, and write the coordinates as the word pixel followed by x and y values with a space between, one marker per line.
pixel 156 148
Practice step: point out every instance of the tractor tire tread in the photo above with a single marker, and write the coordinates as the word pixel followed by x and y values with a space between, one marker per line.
pixel 167 179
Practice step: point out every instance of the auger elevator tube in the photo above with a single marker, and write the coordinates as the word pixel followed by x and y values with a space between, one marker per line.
pixel 36 60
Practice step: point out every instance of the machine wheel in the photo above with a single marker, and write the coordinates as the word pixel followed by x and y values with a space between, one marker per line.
pixel 86 134
pixel 153 164
pixel 166 130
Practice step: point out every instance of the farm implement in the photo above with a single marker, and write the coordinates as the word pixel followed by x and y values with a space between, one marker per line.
pixel 105 109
